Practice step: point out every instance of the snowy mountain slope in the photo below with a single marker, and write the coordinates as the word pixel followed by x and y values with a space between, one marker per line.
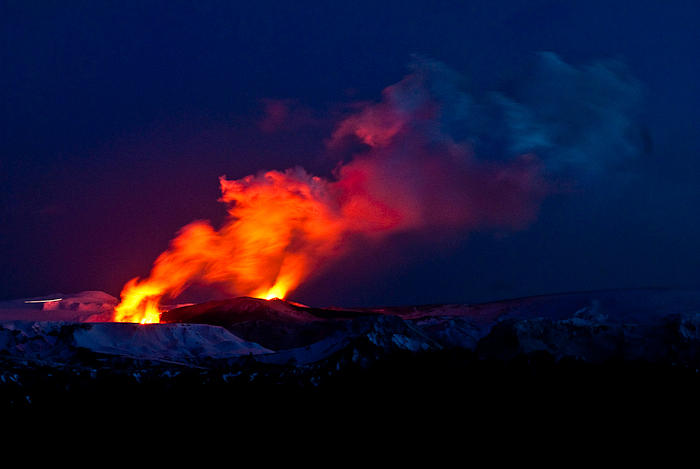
pixel 674 338
pixel 385 334
pixel 649 324
pixel 175 342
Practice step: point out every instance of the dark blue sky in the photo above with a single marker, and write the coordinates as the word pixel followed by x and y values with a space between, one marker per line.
pixel 118 117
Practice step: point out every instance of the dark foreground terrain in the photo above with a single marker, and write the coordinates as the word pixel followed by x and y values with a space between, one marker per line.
pixel 444 384
pixel 625 354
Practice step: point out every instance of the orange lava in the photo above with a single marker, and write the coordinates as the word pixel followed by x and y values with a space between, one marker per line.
pixel 280 226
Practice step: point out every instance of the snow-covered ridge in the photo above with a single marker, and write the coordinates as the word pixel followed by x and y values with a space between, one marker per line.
pixel 56 341
pixel 646 324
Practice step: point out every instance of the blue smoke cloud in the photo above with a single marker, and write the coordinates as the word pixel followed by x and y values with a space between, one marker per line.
pixel 581 121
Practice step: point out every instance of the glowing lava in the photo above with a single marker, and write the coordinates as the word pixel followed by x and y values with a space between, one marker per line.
pixel 276 292
pixel 281 225
pixel 139 304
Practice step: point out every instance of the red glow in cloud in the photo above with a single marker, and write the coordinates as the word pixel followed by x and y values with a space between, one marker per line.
pixel 284 226
pixel 281 115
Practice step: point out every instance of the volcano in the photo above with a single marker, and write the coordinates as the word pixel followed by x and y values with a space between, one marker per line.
pixel 275 323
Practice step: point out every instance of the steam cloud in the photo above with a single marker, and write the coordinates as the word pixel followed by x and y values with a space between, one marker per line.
pixel 433 157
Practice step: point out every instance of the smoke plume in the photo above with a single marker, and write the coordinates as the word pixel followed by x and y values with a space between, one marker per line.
pixel 430 156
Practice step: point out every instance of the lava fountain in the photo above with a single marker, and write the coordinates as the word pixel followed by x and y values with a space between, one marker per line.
pixel 280 226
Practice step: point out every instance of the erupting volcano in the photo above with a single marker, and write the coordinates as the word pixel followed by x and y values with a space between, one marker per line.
pixel 428 158
pixel 283 227
pixel 280 226
pixel 256 211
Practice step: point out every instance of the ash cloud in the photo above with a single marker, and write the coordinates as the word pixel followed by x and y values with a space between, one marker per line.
pixel 438 156
pixel 579 121
pixel 286 115
pixel 583 120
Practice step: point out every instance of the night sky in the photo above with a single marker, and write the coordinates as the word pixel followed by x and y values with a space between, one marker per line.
pixel 119 117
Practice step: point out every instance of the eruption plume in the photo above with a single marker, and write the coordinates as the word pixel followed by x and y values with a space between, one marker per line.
pixel 434 158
